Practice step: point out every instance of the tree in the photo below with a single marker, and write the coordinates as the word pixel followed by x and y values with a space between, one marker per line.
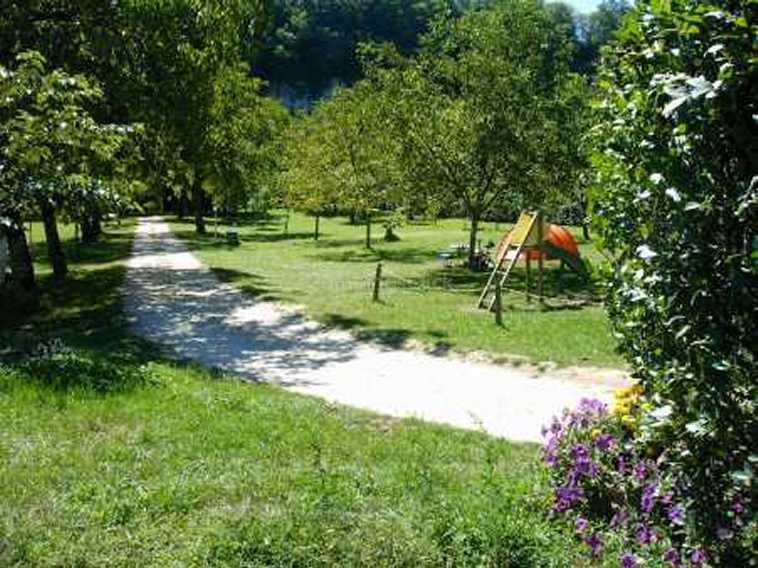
pixel 676 207
pixel 178 84
pixel 158 60
pixel 306 180
pixel 478 111
pixel 245 140
pixel 310 45
pixel 51 144
pixel 351 154
pixel 596 30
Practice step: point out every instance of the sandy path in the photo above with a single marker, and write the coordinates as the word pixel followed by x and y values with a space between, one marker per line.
pixel 172 299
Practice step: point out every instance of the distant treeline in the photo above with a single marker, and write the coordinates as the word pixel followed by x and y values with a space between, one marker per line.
pixel 310 45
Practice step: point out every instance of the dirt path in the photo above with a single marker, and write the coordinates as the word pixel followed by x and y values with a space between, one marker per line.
pixel 174 300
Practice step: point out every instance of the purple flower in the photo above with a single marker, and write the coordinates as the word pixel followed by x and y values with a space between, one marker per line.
pixel 671 556
pixel 621 465
pixel 737 507
pixel 566 496
pixel 648 497
pixel 628 560
pixel 646 535
pixel 605 441
pixel 583 466
pixel 580 451
pixel 619 518
pixel 676 515
pixel 581 524
pixel 551 452
pixel 640 471
pixel 593 406
pixel 699 557
pixel 594 542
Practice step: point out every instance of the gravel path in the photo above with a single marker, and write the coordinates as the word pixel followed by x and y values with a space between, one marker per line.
pixel 174 300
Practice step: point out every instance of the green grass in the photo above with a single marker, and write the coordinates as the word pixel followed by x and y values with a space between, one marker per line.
pixel 422 300
pixel 115 456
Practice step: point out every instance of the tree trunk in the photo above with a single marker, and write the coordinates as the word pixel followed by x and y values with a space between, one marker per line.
pixel 197 198
pixel 368 230
pixel 316 227
pixel 182 207
pixel 91 227
pixel 585 220
pixel 22 269
pixel 472 264
pixel 54 247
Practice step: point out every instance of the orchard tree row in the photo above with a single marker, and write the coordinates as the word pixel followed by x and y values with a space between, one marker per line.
pixel 102 103
pixel 487 116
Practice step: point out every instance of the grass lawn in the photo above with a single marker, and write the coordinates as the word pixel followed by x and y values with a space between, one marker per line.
pixel 422 300
pixel 111 455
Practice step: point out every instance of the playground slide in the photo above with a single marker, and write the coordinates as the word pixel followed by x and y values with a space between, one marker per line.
pixel 574 262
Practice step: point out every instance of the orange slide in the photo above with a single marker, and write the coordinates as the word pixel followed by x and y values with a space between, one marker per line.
pixel 560 237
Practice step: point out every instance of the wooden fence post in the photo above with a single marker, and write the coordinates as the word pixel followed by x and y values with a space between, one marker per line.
pixel 541 260
pixel 498 303
pixel 528 276
pixel 377 281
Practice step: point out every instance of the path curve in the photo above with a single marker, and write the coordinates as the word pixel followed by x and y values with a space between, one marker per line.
pixel 172 299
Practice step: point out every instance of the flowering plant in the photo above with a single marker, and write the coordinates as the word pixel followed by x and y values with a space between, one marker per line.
pixel 612 486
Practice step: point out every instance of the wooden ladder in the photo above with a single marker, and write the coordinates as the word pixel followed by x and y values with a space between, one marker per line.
pixel 503 274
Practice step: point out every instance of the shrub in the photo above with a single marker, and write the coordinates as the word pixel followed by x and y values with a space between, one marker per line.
pixel 55 365
pixel 611 487
pixel 676 211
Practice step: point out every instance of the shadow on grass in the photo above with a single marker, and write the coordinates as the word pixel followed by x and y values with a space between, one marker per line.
pixel 559 286
pixel 76 338
pixel 401 255
pixel 111 247
pixel 252 284
pixel 395 338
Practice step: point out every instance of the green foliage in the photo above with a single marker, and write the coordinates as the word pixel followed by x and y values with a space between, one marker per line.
pixel 596 30
pixel 677 210
pixel 60 368
pixel 245 140
pixel 345 156
pixel 50 141
pixel 161 63
pixel 483 112
pixel 308 44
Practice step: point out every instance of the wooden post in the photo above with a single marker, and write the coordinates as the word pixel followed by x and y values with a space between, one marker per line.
pixel 315 229
pixel 528 277
pixel 498 304
pixel 287 224
pixel 377 281
pixel 541 262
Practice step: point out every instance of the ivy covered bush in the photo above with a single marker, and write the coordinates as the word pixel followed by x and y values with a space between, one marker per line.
pixel 676 210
